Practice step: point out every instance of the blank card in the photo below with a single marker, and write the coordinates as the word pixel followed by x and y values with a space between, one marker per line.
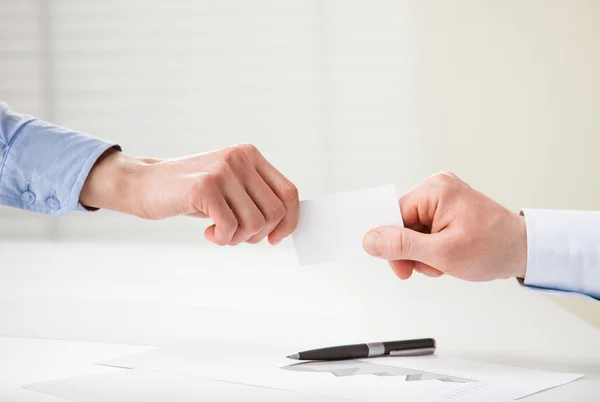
pixel 331 228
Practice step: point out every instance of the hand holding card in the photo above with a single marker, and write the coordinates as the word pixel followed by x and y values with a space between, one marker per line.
pixel 332 227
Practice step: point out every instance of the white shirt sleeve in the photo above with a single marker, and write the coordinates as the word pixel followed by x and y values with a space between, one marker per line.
pixel 563 251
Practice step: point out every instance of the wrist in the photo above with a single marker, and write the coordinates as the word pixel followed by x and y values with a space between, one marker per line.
pixel 112 182
pixel 520 247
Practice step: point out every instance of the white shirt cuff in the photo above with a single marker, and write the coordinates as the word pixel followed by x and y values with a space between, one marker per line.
pixel 563 251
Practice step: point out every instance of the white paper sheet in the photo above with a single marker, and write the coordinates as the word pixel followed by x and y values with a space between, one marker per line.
pixel 149 386
pixel 332 227
pixel 430 378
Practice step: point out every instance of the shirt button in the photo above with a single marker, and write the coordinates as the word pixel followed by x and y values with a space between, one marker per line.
pixel 52 203
pixel 28 197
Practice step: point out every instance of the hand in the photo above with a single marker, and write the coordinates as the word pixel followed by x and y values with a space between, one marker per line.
pixel 451 228
pixel 246 197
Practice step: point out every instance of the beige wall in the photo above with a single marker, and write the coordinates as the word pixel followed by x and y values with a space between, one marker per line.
pixel 508 96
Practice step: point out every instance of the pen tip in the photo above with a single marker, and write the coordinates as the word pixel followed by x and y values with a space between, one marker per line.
pixel 295 356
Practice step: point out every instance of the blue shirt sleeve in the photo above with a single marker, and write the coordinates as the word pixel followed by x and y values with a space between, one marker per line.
pixel 43 166
pixel 563 252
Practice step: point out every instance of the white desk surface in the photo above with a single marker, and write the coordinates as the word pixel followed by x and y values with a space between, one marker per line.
pixel 65 306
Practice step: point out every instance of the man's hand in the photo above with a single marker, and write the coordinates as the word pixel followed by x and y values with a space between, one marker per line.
pixel 451 228
pixel 245 196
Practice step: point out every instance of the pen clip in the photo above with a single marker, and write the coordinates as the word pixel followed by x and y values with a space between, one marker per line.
pixel 412 352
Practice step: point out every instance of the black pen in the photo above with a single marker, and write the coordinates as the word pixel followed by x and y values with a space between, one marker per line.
pixel 412 347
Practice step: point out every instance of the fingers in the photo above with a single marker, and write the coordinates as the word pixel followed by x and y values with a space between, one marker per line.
pixel 197 214
pixel 427 270
pixel 419 207
pixel 404 269
pixel 271 207
pixel 410 248
pixel 394 243
pixel 287 194
pixel 249 217
pixel 262 201
pixel 226 224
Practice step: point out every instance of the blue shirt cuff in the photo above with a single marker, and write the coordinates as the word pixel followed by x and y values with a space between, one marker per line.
pixel 44 167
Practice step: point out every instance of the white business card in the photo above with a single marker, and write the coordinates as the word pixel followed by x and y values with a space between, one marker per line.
pixel 332 227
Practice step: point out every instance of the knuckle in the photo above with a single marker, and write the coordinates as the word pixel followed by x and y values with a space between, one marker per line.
pixel 445 182
pixel 277 213
pixel 220 171
pixel 235 156
pixel 442 179
pixel 256 224
pixel 229 225
pixel 450 175
pixel 289 193
pixel 430 181
pixel 399 245
pixel 248 149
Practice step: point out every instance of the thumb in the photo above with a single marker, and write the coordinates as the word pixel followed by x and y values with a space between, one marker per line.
pixel 396 243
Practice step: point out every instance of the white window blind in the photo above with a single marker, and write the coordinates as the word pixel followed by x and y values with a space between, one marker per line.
pixel 371 60
pixel 316 85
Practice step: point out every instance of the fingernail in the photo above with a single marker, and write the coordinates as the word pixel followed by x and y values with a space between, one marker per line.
pixel 276 242
pixel 370 243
